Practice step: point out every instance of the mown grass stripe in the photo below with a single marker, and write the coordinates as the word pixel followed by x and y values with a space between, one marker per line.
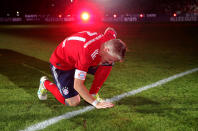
pixel 68 115
pixel 34 68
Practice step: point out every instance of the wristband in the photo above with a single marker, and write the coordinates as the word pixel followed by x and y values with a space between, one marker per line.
pixel 94 103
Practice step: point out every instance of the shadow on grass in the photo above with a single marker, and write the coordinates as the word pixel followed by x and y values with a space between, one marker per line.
pixel 24 71
pixel 173 111
pixel 137 101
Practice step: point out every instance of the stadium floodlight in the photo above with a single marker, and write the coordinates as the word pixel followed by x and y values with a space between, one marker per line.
pixel 59 16
pixel 85 16
pixel 17 13
pixel 114 16
pixel 141 15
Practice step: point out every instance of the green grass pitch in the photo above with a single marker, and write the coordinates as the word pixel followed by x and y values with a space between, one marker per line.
pixel 155 52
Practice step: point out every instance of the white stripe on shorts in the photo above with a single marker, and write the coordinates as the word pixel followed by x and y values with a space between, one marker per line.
pixel 56 78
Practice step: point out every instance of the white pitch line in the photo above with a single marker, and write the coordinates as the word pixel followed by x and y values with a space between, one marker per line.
pixel 68 115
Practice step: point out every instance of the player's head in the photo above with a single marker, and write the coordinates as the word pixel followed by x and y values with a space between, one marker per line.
pixel 112 51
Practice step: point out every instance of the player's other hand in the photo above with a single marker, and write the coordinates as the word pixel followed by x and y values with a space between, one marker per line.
pixel 104 104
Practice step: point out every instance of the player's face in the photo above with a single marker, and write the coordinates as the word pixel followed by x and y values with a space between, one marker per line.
pixel 107 58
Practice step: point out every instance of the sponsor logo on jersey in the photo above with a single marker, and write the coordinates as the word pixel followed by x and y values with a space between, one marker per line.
pixel 93 55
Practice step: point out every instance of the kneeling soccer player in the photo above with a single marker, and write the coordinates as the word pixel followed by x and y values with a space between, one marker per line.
pixel 82 53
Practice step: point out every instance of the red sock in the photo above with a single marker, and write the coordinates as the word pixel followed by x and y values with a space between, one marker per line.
pixel 99 78
pixel 54 90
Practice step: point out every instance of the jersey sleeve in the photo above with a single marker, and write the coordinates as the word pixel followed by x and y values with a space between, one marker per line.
pixel 82 65
pixel 84 61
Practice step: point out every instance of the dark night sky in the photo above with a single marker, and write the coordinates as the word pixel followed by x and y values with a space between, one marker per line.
pixel 54 6
pixel 31 5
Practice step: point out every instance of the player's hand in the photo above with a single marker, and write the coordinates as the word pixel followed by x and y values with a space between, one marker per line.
pixel 104 104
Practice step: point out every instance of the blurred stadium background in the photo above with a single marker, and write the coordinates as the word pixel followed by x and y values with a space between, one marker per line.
pixel 23 11
pixel 31 29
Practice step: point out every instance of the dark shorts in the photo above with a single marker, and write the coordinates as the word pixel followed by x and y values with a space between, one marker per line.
pixel 65 80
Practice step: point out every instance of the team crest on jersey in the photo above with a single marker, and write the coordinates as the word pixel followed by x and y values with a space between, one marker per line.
pixel 65 91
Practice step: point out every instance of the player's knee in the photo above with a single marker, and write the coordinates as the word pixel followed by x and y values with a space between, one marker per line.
pixel 73 101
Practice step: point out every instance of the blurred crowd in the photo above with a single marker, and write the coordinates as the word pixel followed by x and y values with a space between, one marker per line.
pixel 181 7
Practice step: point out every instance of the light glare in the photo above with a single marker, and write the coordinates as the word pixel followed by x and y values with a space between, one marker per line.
pixel 85 16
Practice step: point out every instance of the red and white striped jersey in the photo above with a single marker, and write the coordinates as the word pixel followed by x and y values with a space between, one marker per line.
pixel 80 51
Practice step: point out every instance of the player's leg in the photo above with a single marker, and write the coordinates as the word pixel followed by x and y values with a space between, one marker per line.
pixel 46 85
pixel 42 91
pixel 65 84
pixel 73 101
pixel 54 90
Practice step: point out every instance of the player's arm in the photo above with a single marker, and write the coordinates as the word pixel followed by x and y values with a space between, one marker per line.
pixel 84 93
pixel 104 71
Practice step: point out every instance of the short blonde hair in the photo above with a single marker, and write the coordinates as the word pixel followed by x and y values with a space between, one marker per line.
pixel 117 48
